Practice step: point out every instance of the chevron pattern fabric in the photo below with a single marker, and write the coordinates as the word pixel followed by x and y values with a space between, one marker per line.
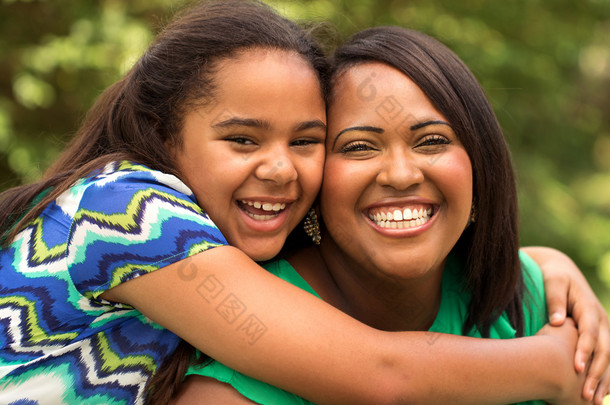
pixel 60 343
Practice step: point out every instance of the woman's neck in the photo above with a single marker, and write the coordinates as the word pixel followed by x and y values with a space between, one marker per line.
pixel 377 300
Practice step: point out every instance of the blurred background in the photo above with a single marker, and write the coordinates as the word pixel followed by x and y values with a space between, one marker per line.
pixel 545 65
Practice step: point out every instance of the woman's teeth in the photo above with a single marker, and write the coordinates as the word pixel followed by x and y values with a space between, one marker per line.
pixel 270 210
pixel 401 219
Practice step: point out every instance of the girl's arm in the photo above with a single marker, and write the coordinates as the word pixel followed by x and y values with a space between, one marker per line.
pixel 235 311
pixel 199 390
pixel 568 292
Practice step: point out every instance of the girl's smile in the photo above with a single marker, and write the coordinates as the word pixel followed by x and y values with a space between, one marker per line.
pixel 254 156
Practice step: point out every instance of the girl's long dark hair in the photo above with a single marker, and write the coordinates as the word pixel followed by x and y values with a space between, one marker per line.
pixel 137 116
pixel 489 246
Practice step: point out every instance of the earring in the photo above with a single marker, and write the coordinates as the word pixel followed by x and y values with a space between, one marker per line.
pixel 312 227
pixel 473 214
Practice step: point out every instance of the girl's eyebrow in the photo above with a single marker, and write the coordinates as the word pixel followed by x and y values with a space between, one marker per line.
pixel 426 123
pixel 241 122
pixel 256 123
pixel 311 124
pixel 362 128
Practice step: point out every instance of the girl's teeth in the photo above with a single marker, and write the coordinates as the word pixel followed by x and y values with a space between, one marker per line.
pixel 261 217
pixel 265 206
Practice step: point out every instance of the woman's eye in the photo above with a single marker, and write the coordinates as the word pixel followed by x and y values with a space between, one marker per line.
pixel 433 141
pixel 356 147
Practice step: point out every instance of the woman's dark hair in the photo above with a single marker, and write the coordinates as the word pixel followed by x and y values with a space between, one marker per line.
pixel 489 246
pixel 137 116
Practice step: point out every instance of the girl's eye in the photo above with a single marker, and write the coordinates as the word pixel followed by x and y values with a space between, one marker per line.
pixel 305 142
pixel 240 140
pixel 357 146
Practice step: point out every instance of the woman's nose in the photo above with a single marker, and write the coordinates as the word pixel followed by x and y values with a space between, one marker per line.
pixel 400 170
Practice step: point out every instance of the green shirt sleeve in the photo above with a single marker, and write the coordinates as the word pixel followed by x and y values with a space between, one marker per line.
pixel 534 300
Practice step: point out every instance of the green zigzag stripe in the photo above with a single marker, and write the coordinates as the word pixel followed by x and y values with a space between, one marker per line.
pixel 127 220
pixel 127 165
pixel 112 361
pixel 41 250
pixel 119 273
pixel 37 334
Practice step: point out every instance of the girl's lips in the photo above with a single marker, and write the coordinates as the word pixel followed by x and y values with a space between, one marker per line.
pixel 263 215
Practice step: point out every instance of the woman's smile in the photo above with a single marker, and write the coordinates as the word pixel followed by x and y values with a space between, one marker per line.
pixel 401 185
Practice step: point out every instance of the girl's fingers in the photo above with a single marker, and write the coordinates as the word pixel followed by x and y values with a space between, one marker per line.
pixel 588 322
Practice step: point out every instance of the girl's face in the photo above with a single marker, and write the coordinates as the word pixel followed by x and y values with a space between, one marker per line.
pixel 254 158
pixel 397 188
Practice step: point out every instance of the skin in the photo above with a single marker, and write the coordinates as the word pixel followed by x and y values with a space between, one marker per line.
pixel 373 169
pixel 266 128
pixel 384 372
pixel 378 165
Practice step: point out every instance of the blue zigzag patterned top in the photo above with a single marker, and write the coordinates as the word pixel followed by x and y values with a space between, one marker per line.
pixel 60 343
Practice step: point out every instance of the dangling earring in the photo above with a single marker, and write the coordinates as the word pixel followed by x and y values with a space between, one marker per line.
pixel 473 214
pixel 312 227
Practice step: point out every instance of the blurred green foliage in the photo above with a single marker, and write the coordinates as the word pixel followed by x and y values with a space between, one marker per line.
pixel 545 65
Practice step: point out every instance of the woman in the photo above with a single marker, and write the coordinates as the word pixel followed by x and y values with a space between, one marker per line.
pixel 419 211
pixel 220 125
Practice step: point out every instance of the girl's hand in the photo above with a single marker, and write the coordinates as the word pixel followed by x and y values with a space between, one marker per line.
pixel 568 292
pixel 564 337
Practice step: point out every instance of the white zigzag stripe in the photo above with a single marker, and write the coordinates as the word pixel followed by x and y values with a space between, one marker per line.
pixel 173 182
pixel 148 223
pixel 57 268
pixel 69 200
pixel 149 227
pixel 15 328
pixel 110 176
pixel 50 386
pixel 24 244
pixel 124 378
pixel 45 389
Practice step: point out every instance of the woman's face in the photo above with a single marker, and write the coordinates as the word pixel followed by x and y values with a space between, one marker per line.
pixel 254 158
pixel 397 188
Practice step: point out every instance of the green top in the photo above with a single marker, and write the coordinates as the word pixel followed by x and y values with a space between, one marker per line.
pixel 450 318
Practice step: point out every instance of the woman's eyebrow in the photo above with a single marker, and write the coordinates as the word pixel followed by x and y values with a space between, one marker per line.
pixel 363 128
pixel 426 123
